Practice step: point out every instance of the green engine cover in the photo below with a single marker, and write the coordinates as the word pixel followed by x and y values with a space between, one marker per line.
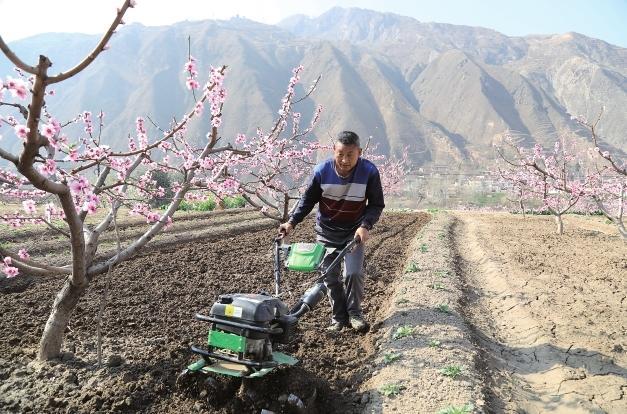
pixel 227 340
pixel 305 257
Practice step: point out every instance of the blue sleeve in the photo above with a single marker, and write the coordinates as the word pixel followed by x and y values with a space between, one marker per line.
pixel 308 200
pixel 376 203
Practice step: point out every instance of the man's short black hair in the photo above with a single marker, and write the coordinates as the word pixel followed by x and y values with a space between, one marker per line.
pixel 348 138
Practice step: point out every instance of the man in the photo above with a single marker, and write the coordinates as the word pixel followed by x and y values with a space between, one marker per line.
pixel 348 191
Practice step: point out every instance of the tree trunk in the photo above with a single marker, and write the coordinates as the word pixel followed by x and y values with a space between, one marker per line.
pixel 618 219
pixel 622 230
pixel 64 304
pixel 560 224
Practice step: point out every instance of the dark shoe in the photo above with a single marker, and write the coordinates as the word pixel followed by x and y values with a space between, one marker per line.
pixel 336 327
pixel 359 324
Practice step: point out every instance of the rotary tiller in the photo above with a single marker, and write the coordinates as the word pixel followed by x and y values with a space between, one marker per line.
pixel 244 327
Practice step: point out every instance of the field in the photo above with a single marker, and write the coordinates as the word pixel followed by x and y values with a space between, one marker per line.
pixel 548 311
pixel 479 312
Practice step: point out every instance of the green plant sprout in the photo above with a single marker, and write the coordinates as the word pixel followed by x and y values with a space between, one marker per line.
pixel 434 343
pixel 442 273
pixel 444 308
pixel 391 389
pixel 437 286
pixel 402 301
pixel 403 331
pixel 412 268
pixel 453 409
pixel 423 248
pixel 452 371
pixel 390 357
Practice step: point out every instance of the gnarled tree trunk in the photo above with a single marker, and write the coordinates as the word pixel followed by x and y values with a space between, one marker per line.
pixel 64 304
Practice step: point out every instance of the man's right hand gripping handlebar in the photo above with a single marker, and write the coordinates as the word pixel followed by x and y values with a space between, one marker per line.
pixel 285 229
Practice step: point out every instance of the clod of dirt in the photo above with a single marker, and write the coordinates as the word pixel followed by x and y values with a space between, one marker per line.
pixel 66 356
pixel 115 361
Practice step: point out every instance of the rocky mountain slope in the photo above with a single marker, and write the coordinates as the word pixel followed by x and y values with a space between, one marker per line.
pixel 445 92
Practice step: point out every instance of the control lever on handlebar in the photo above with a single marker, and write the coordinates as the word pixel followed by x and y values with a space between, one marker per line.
pixel 357 241
pixel 282 234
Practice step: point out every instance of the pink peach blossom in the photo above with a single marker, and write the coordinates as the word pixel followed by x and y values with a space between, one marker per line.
pixel 21 131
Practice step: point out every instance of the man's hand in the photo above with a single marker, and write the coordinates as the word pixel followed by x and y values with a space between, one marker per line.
pixel 363 234
pixel 286 228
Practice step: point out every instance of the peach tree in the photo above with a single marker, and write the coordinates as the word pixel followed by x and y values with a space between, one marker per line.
pixel 60 180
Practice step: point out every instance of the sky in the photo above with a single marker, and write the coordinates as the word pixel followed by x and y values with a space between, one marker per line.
pixel 602 19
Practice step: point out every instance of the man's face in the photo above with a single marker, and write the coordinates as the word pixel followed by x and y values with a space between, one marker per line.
pixel 345 157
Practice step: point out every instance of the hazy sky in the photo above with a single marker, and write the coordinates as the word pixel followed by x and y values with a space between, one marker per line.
pixel 603 19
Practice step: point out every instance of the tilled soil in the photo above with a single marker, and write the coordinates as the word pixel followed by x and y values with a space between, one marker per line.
pixel 51 246
pixel 148 326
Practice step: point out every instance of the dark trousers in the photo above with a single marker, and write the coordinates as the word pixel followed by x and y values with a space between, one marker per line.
pixel 346 288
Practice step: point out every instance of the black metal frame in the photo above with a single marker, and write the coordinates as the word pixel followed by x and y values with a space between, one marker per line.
pixel 269 331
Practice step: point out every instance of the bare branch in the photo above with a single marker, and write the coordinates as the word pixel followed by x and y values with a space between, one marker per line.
pixel 21 108
pixel 33 267
pixel 8 156
pixel 55 228
pixel 259 208
pixel 16 60
pixel 97 50
pixel 310 91
pixel 154 124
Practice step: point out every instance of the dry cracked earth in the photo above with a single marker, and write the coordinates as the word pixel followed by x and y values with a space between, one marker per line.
pixel 548 311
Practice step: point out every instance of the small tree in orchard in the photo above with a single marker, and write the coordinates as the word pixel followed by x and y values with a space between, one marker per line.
pixel 61 180
pixel 554 177
pixel 593 180
pixel 516 183
pixel 609 179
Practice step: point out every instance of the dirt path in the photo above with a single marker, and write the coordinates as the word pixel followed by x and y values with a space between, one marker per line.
pixel 548 311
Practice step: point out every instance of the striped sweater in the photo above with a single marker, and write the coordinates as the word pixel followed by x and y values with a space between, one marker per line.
pixel 343 204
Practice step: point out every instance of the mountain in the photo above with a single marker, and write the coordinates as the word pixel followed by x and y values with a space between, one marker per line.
pixel 443 91
pixel 547 78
